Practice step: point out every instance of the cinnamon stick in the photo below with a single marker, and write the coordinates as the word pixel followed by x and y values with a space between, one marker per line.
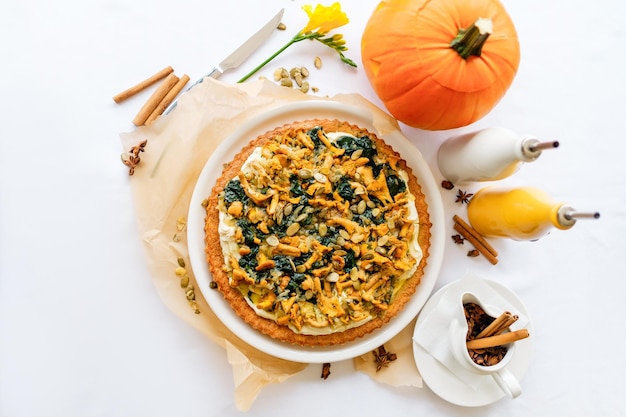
pixel 167 100
pixel 508 323
pixel 118 98
pixel 470 230
pixel 501 339
pixel 495 325
pixel 477 243
pixel 155 99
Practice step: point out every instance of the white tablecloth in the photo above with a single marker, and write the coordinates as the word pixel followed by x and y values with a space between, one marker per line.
pixel 82 330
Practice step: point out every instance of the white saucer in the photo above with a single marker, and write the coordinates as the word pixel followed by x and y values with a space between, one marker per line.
pixel 440 380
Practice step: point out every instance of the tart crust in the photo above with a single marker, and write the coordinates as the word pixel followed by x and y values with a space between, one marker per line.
pixel 233 296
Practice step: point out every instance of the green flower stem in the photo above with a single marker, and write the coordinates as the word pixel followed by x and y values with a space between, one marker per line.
pixel 299 37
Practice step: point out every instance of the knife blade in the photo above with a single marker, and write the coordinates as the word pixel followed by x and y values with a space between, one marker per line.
pixel 239 55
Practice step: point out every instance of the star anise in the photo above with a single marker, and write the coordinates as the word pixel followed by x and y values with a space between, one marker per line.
pixel 463 197
pixel 458 239
pixel 382 358
pixel 325 370
pixel 131 158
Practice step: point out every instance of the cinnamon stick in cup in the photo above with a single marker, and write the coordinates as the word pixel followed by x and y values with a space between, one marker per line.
pixel 508 323
pixel 501 339
pixel 118 98
pixel 167 100
pixel 494 325
pixel 155 99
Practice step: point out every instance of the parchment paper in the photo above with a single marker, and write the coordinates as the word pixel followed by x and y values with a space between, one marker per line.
pixel 178 146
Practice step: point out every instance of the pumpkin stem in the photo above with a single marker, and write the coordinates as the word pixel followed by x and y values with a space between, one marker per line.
pixel 470 41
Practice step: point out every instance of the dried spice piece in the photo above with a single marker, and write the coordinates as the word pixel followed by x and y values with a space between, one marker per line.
pixel 382 358
pixel 447 185
pixel 325 371
pixel 463 197
pixel 281 26
pixel 473 253
pixel 131 158
pixel 213 285
pixel 458 239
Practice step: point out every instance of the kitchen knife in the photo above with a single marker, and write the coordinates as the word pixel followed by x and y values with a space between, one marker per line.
pixel 240 54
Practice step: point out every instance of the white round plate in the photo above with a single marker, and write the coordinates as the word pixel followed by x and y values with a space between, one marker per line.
pixel 195 231
pixel 441 381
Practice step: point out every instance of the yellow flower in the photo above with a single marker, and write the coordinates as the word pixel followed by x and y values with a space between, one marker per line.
pixel 323 19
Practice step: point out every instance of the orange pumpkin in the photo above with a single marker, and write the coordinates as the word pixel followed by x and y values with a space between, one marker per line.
pixel 440 64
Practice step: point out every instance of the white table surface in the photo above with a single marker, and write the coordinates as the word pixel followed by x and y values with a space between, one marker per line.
pixel 82 330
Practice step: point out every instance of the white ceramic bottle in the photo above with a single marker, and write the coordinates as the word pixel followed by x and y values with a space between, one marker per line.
pixel 487 155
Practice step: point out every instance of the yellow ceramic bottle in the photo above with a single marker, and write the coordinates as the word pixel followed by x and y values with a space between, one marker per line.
pixel 523 213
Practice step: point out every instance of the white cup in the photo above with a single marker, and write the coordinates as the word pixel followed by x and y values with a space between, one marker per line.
pixel 507 382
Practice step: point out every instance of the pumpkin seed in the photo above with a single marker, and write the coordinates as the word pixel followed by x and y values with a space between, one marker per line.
pixel 356 154
pixel 301 217
pixel 181 262
pixel 322 229
pixel 354 274
pixel 367 256
pixel 181 222
pixel 361 207
pixel 272 240
pixel 332 277
pixel 294 72
pixel 357 237
pixel 293 229
pixel 304 71
pixel 180 271
pixel 184 281
pixel 194 306
pixel 319 177
pixel 286 82
pixel 317 62
pixel 304 87
pixel 305 173
pixel 288 209
pixel 344 234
